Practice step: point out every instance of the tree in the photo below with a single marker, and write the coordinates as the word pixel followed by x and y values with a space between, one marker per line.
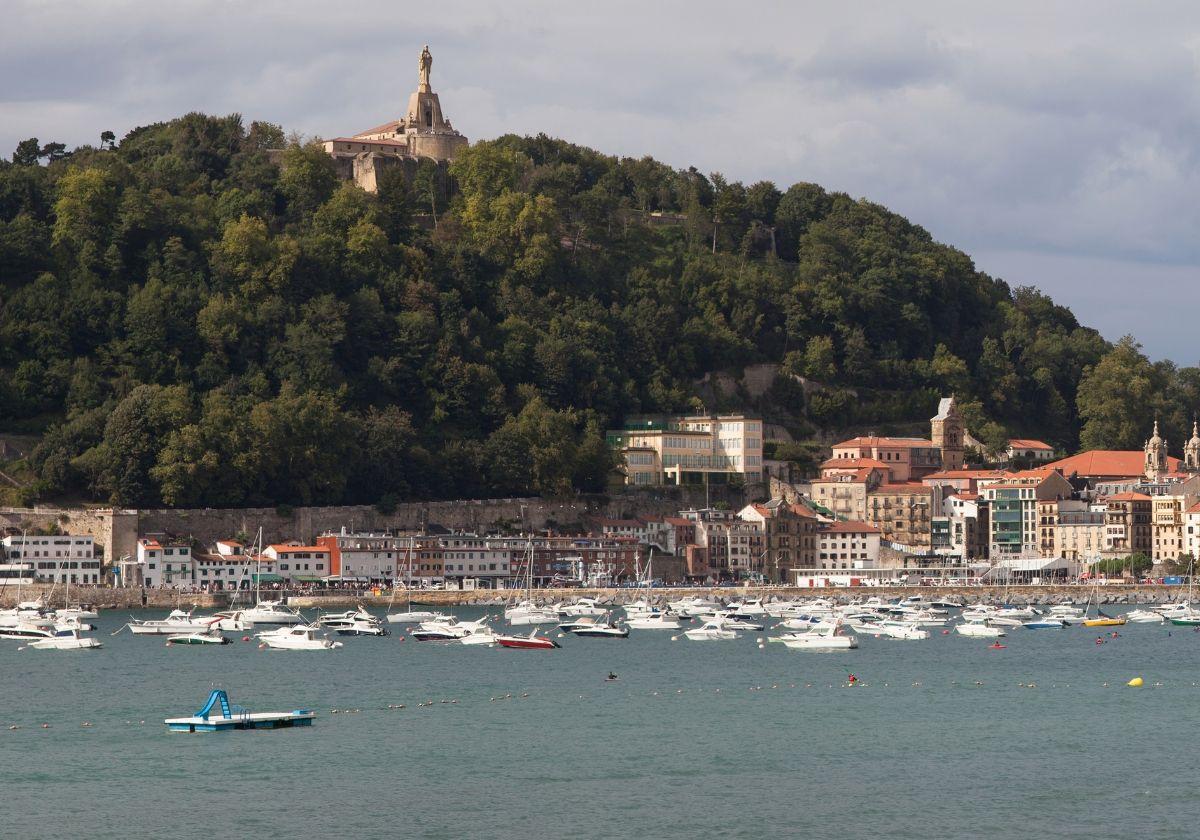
pixel 27 153
pixel 1117 397
pixel 107 139
pixel 309 178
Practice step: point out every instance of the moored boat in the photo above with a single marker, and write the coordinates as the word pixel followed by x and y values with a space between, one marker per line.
pixel 531 642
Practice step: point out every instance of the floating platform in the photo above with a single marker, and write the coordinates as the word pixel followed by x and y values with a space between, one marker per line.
pixel 228 717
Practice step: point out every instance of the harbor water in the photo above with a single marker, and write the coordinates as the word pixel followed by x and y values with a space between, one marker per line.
pixel 942 738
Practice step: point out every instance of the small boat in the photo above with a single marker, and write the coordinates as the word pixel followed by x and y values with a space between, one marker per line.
pixel 653 621
pixel 581 606
pixel 1144 617
pixel 483 636
pixel 713 630
pixel 297 637
pixel 272 612
pixel 599 629
pixel 208 638
pixel 345 619
pixel 978 630
pixel 218 715
pixel 996 646
pixel 1046 622
pixel 900 630
pixel 531 642
pixel 28 630
pixel 178 621
pixel 65 640
pixel 1108 621
pixel 414 617
pixel 361 628
pixel 823 636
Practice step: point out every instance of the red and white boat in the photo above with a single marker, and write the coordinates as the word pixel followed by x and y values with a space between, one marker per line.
pixel 532 642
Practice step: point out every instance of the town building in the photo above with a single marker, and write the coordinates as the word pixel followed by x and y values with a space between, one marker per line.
pixel 789 533
pixel 1080 531
pixel 164 563
pixel 697 449
pixel 847 545
pixel 1128 526
pixel 966 517
pixel 1191 531
pixel 906 458
pixel 422 133
pixel 903 513
pixel 297 563
pixel 1028 451
pixel 56 558
pixel 1013 512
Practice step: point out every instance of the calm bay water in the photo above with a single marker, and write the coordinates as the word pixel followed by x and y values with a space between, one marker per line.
pixel 696 739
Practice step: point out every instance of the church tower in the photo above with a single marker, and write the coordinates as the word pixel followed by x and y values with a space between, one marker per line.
pixel 1156 456
pixel 1191 451
pixel 946 431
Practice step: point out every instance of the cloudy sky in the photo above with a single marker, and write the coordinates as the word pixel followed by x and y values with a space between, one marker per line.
pixel 1057 143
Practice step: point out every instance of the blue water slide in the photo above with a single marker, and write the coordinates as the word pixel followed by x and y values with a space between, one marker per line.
pixel 218 695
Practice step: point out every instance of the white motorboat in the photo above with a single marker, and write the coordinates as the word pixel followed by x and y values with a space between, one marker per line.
pixel 358 627
pixel 83 611
pixel 1172 610
pixel 414 617
pixel 735 621
pixel 1145 617
pixel 753 608
pixel 297 637
pixel 998 620
pixel 346 619
pixel 481 636
pixel 713 630
pixel 65 640
pixel 272 612
pixel 28 630
pixel 900 630
pixel 653 621
pixel 824 636
pixel 210 637
pixel 178 621
pixel 448 629
pixel 527 613
pixel 693 607
pixel 978 630
pixel 581 607
pixel 590 627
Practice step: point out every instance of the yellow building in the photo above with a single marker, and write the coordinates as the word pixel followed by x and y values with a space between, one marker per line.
pixel 902 512
pixel 695 449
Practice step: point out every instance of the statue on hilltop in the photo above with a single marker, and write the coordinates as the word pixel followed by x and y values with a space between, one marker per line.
pixel 423 65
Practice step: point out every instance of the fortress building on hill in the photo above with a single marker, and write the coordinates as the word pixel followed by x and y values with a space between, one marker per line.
pixel 423 132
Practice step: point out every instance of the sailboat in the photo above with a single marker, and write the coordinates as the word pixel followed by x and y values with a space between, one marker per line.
pixel 526 612
pixel 267 612
pixel 409 616
pixel 1100 619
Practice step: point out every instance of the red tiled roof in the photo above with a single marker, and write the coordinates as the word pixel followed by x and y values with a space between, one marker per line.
pixel 967 474
pixel 1024 443
pixel 369 141
pixel 1194 508
pixel 1108 462
pixel 389 126
pixel 290 548
pixel 802 510
pixel 677 520
pixel 1130 497
pixel 849 528
pixel 853 463
pixel 886 442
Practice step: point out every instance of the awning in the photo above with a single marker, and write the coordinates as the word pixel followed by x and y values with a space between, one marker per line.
pixel 266 577
pixel 307 579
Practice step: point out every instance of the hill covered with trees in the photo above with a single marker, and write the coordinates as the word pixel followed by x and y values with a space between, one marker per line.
pixel 186 323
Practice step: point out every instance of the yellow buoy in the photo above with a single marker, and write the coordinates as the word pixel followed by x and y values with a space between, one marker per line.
pixel 1136 682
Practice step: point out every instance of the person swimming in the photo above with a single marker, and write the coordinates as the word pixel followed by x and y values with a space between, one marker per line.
pixel 611 677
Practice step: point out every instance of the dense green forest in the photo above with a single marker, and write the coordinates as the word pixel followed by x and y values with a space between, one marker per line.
pixel 186 323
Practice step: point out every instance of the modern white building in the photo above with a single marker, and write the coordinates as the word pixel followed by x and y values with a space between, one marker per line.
pixel 690 450
pixel 57 558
